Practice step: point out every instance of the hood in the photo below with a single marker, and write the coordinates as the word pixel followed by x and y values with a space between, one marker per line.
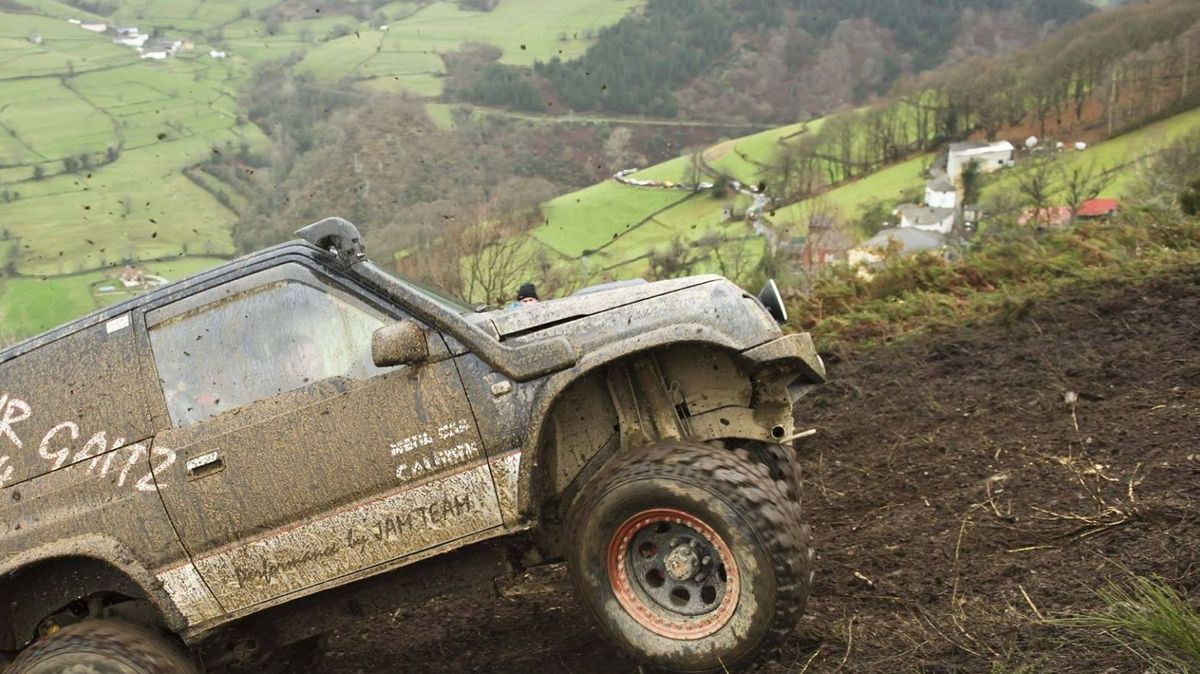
pixel 528 318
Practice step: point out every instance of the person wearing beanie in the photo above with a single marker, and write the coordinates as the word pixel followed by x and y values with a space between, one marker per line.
pixel 526 294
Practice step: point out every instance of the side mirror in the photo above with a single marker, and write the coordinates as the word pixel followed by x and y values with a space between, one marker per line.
pixel 402 343
pixel 773 301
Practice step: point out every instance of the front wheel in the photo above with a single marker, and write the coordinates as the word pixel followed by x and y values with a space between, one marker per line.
pixel 691 558
pixel 102 647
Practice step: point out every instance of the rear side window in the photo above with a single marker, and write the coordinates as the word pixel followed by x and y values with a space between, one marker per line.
pixel 260 343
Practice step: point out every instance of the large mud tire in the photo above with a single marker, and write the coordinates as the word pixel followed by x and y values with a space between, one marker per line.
pixel 721 504
pixel 781 461
pixel 102 647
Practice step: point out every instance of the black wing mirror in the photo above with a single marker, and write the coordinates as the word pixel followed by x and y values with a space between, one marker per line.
pixel 402 343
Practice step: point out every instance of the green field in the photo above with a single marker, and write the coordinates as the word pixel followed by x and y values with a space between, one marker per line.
pixel 886 185
pixel 613 225
pixel 131 127
pixel 1119 154
pixel 33 305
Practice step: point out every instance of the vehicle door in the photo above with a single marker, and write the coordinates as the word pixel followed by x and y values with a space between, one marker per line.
pixel 299 461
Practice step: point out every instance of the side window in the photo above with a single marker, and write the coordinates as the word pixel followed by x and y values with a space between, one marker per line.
pixel 259 343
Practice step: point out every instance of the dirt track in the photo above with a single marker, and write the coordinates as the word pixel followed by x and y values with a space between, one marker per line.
pixel 950 478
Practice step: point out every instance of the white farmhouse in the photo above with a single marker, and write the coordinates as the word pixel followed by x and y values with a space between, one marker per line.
pixel 940 193
pixel 991 157
pixel 132 40
pixel 94 27
pixel 217 53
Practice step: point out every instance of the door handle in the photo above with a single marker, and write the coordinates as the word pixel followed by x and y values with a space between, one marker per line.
pixel 204 465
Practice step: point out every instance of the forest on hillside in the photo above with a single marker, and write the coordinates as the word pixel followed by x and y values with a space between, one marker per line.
pixel 765 60
pixel 1108 74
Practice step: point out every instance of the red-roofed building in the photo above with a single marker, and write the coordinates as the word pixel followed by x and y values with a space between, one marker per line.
pixel 1051 216
pixel 1096 209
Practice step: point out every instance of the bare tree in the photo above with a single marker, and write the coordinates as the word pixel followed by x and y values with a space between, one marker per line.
pixel 1038 185
pixel 495 259
pixel 617 149
pixel 826 235
pixel 676 260
pixel 1081 184
pixel 732 255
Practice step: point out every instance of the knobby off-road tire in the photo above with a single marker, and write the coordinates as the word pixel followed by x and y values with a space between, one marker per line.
pixel 691 557
pixel 102 647
pixel 781 461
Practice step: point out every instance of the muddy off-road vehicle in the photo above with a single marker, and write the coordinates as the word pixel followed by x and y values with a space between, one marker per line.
pixel 240 460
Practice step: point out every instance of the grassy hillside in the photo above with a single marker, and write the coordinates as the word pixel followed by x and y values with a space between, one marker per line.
pixel 94 141
pixel 615 226
pixel 1122 152
pixel 36 304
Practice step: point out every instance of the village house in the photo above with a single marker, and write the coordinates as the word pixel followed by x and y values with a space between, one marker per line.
pixel 897 240
pixel 134 39
pixel 941 193
pixel 823 247
pixel 35 38
pixel 1050 216
pixel 132 277
pixel 991 157
pixel 217 53
pixel 939 220
pixel 95 27
pixel 1060 216
pixel 1098 209
pixel 159 49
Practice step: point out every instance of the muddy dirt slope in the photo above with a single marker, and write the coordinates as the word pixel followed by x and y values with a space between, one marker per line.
pixel 961 484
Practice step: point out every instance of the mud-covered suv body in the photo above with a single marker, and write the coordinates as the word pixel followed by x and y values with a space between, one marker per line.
pixel 225 444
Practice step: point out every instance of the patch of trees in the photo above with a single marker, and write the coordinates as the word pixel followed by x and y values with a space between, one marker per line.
pixel 1171 177
pixel 502 86
pixel 475 75
pixel 290 107
pixel 478 5
pixel 635 65
pixel 98 7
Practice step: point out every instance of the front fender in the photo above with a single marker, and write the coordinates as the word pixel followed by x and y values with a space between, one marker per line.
pixel 86 550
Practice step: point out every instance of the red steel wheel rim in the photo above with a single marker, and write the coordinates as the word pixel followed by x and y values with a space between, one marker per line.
pixel 660 619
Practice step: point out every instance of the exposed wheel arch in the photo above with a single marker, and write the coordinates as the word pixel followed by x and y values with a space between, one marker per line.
pixel 44 581
pixel 698 391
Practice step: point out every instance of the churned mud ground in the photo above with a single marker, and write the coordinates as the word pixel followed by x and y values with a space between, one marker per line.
pixel 961 485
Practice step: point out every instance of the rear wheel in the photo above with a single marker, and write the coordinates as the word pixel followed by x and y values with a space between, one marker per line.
pixel 691 558
pixel 102 647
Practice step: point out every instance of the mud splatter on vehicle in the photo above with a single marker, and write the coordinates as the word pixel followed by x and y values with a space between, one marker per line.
pixel 185 474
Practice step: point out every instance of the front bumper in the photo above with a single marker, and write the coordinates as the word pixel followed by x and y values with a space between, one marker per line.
pixel 788 354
